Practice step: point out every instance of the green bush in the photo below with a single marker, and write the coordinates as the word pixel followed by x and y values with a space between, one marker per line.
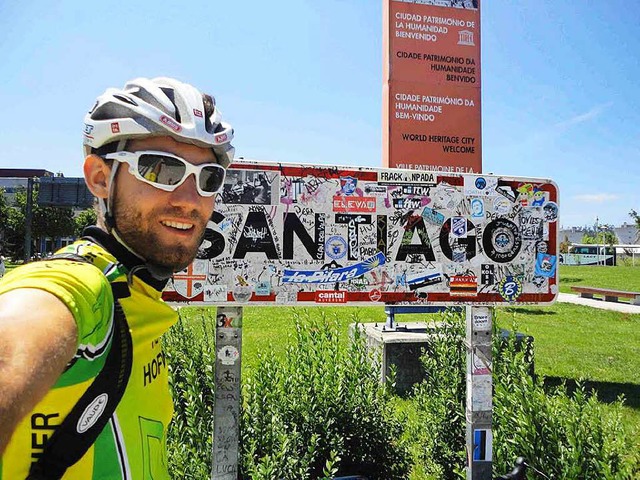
pixel 321 412
pixel 439 425
pixel 568 436
pixel 190 350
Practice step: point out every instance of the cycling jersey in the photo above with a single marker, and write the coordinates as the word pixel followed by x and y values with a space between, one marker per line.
pixel 132 445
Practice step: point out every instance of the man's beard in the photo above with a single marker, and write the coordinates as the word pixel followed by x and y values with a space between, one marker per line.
pixel 146 242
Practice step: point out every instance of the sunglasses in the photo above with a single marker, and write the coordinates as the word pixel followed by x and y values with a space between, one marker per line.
pixel 167 171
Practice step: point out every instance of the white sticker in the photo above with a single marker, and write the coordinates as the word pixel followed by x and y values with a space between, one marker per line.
pixel 215 293
pixel 228 355
pixel 481 319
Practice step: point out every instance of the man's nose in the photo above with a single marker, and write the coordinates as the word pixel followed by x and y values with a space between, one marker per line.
pixel 187 193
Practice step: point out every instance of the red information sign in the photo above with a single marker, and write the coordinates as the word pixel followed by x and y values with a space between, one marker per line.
pixel 431 99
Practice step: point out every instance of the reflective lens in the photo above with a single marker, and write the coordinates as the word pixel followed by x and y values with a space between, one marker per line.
pixel 167 172
pixel 161 169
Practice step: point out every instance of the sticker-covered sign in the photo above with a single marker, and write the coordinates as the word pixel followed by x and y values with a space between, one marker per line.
pixel 319 235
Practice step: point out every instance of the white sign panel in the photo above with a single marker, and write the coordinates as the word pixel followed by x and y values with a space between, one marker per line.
pixel 317 235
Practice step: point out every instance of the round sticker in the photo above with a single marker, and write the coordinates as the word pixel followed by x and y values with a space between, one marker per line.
pixel 501 206
pixel 375 295
pixel 502 240
pixel 242 294
pixel 335 247
pixel 228 355
pixel 510 288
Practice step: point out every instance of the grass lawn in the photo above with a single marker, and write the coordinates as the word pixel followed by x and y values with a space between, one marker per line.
pixel 619 278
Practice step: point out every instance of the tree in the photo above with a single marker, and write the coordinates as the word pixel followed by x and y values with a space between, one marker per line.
pixel 4 216
pixel 636 218
pixel 46 222
pixel 84 219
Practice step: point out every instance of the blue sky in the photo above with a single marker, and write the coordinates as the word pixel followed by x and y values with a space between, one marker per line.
pixel 301 81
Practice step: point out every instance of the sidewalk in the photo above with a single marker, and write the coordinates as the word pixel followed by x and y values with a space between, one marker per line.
pixel 590 302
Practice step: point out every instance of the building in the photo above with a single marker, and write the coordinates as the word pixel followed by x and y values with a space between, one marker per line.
pixel 627 234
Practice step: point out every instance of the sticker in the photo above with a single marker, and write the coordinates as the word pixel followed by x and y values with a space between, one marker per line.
pixel 487 274
pixel 432 216
pixel 336 274
pixel 479 364
pixel 375 295
pixel 191 281
pixel 510 288
pixel 550 211
pixel 424 280
pixel 242 293
pixel 392 177
pixel 538 197
pixel 354 204
pixel 480 319
pixel 115 127
pixel 501 240
pixel 477 208
pixel 215 293
pixel 348 185
pixel 530 225
pixel 501 206
pixel 228 355
pixel 507 192
pixel 482 445
pixel 546 265
pixel 331 296
pixel 171 123
pixel 373 189
pixel 197 112
pixel 541 247
pixel 480 400
pixel 480 186
pixel 286 298
pixel 263 288
pixel 335 247
pixel 463 285
pixel 459 227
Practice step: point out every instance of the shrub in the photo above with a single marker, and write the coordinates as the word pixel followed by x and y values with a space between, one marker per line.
pixel 320 412
pixel 568 436
pixel 190 350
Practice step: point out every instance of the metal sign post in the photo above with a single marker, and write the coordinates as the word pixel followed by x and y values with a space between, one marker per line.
pixel 226 416
pixel 479 393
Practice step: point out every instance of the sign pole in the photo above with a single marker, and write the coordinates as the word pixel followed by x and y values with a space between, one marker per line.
pixel 479 393
pixel 226 415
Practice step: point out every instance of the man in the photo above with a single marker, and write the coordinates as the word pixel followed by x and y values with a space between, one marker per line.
pixel 67 327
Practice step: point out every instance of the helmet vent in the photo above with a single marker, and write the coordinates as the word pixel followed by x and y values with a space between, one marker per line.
pixel 170 93
pixel 144 95
pixel 124 99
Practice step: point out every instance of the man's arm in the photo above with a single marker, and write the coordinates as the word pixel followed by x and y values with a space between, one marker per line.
pixel 38 337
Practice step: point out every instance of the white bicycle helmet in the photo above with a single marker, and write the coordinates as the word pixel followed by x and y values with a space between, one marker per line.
pixel 153 107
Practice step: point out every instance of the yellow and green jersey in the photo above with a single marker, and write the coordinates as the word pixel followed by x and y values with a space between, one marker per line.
pixel 132 445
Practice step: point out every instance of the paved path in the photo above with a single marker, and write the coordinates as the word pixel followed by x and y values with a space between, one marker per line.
pixel 590 302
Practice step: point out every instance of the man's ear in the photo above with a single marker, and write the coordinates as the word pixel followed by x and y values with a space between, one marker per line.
pixel 96 175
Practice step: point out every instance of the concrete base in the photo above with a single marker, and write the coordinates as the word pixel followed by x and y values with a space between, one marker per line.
pixel 402 346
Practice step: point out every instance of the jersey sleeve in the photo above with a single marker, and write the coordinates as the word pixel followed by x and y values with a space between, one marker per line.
pixel 80 286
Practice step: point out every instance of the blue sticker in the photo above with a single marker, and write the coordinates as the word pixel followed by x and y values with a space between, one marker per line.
pixel 477 208
pixel 262 288
pixel 335 247
pixel 432 216
pixel 459 226
pixel 336 274
pixel 510 288
pixel 348 185
pixel 546 265
pixel 481 183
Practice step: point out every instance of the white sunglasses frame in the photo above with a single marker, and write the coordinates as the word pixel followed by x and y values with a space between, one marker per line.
pixel 132 158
